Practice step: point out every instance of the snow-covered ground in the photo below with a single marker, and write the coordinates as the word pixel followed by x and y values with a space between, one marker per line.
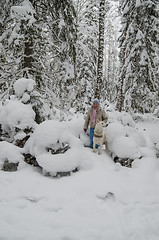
pixel 102 201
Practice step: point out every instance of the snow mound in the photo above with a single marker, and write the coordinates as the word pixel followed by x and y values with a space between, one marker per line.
pixel 56 149
pixel 23 88
pixel 22 85
pixel 124 147
pixel 121 117
pixel 48 134
pixel 155 139
pixel 136 136
pixel 85 139
pixel 15 114
pixel 10 153
pixel 124 141
pixel 114 130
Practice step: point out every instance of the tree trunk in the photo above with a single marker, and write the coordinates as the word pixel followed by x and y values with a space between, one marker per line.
pixel 100 49
pixel 122 81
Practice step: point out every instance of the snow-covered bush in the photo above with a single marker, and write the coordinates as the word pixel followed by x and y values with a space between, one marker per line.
pixel 154 137
pixel 122 117
pixel 56 148
pixel 16 119
pixel 124 142
pixel 23 87
pixel 11 156
pixel 156 112
pixel 25 91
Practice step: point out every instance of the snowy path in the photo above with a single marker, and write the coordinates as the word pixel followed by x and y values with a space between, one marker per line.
pixel 76 208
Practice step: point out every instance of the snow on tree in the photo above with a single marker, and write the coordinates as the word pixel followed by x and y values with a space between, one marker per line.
pixel 15 41
pixel 62 55
pixel 138 42
pixel 86 50
pixel 17 120
pixel 111 61
pixel 24 46
pixel 8 65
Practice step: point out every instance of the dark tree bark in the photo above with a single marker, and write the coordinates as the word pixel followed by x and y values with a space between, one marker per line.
pixel 100 49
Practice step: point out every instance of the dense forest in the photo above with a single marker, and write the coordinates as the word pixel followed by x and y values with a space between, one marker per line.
pixel 58 58
pixel 78 50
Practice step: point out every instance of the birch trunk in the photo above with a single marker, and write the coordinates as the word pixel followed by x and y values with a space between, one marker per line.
pixel 100 50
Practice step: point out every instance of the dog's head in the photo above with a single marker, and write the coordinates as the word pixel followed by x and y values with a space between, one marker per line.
pixel 103 124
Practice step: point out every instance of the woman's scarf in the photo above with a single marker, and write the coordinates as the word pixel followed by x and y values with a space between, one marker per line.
pixel 94 116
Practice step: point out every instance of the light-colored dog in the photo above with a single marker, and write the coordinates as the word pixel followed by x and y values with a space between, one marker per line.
pixel 99 137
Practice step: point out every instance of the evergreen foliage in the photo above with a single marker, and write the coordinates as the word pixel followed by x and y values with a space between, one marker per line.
pixel 87 50
pixel 23 48
pixel 139 44
pixel 111 61
pixel 63 51
pixel 37 41
pixel 55 43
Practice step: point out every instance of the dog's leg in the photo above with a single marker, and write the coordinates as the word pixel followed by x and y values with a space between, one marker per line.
pixel 94 147
pixel 105 142
pixel 106 145
pixel 100 150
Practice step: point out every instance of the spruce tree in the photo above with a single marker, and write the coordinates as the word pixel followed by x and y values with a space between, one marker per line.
pixel 23 43
pixel 86 47
pixel 138 43
pixel 8 64
pixel 62 33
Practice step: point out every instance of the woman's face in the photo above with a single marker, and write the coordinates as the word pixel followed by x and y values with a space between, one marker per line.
pixel 95 105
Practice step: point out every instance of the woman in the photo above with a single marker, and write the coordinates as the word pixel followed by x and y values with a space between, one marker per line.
pixel 94 113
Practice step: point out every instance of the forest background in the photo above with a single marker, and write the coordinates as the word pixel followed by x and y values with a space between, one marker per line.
pixel 56 44
pixel 56 56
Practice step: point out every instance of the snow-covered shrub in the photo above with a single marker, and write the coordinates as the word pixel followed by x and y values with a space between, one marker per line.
pixel 124 139
pixel 56 148
pixel 122 117
pixel 25 90
pixel 124 142
pixel 85 139
pixel 23 87
pixel 17 120
pixel 155 139
pixel 10 157
pixel 156 112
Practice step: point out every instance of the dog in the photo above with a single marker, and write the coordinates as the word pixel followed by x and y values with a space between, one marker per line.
pixel 99 137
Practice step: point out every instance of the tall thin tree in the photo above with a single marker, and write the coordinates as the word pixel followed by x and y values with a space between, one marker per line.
pixel 100 49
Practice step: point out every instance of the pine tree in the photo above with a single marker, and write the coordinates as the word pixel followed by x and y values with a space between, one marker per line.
pixel 24 45
pixel 86 51
pixel 138 42
pixel 7 65
pixel 62 32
